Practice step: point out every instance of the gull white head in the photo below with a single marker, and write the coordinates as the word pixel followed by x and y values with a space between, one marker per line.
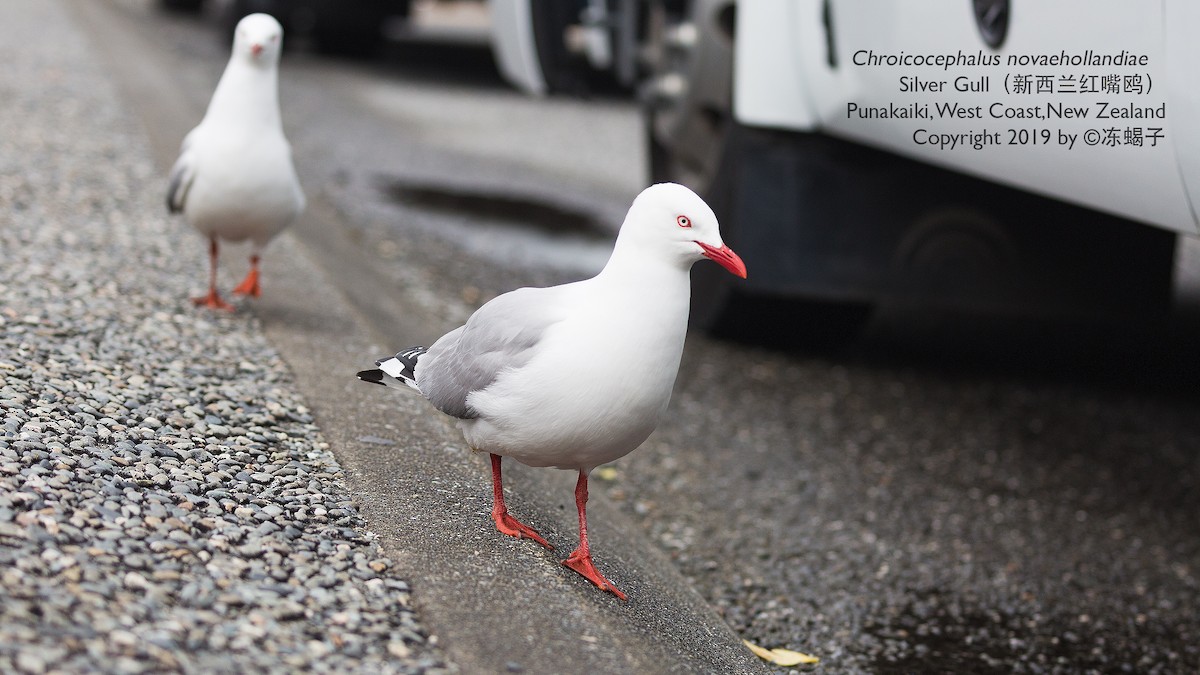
pixel 670 221
pixel 257 40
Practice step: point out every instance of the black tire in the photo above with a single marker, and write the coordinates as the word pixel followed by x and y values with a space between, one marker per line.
pixel 182 6
pixel 563 72
pixel 725 309
pixel 703 154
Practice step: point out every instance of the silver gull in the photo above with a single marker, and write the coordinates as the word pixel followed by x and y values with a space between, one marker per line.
pixel 234 178
pixel 577 375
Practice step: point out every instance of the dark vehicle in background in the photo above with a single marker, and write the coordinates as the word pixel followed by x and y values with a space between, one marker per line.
pixel 333 26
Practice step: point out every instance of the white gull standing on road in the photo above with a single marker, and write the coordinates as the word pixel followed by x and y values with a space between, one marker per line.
pixel 234 178
pixel 578 375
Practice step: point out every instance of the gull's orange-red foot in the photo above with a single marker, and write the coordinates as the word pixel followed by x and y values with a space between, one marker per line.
pixel 249 285
pixel 515 528
pixel 582 563
pixel 504 522
pixel 212 301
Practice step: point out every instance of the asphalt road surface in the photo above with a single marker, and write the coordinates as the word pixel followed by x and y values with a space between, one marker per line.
pixel 947 496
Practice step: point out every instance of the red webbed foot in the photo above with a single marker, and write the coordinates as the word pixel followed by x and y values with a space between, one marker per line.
pixel 504 522
pixel 582 563
pixel 515 528
pixel 249 285
pixel 212 301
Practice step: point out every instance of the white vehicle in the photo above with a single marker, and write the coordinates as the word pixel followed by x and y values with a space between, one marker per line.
pixel 1006 156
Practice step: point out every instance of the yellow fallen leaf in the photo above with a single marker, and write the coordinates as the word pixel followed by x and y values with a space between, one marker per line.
pixel 787 658
pixel 782 657
pixel 764 654
pixel 606 473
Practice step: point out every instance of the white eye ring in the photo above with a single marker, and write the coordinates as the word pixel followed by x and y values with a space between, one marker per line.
pixel 683 221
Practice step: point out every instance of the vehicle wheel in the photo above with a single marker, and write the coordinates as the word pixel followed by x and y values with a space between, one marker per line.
pixel 562 71
pixel 181 5
pixel 353 29
pixel 688 97
pixel 687 105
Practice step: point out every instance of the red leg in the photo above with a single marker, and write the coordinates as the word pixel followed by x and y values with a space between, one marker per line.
pixel 504 522
pixel 580 559
pixel 213 299
pixel 249 285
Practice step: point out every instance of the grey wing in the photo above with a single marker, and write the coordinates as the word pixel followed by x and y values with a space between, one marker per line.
pixel 502 334
pixel 182 175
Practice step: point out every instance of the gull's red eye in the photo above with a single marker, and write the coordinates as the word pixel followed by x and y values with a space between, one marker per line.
pixel 683 221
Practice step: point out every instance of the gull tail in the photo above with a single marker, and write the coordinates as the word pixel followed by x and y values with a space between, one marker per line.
pixel 394 370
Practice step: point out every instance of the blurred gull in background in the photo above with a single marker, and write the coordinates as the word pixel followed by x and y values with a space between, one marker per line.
pixel 234 178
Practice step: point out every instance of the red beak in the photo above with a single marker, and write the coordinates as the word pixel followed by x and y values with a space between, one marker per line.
pixel 256 49
pixel 725 257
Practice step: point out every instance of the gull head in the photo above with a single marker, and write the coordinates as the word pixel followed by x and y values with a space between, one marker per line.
pixel 671 221
pixel 258 39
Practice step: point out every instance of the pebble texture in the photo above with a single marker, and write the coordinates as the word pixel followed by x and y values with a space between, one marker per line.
pixel 165 502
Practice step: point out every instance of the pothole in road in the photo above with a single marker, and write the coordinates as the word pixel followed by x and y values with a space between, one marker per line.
pixel 516 210
pixel 507 228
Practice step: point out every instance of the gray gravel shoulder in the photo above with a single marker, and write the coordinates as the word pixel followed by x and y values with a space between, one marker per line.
pixel 165 502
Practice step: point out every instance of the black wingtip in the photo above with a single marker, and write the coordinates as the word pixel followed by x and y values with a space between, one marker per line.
pixel 374 376
pixel 174 188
